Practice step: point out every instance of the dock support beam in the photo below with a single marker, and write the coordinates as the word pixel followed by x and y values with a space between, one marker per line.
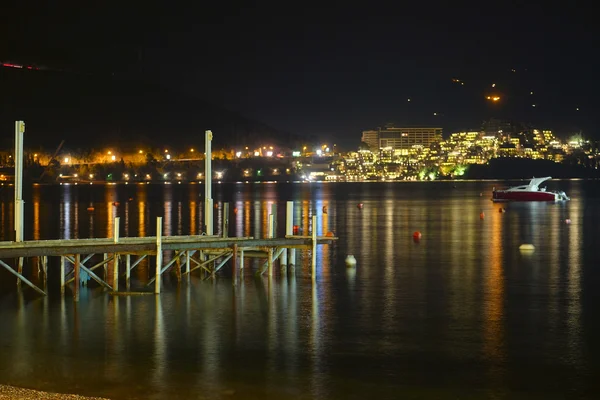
pixel 271 234
pixel 158 254
pixel 128 271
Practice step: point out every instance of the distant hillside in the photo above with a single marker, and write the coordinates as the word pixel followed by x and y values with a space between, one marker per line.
pixel 523 168
pixel 91 111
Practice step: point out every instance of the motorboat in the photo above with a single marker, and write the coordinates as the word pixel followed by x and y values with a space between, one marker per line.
pixel 530 192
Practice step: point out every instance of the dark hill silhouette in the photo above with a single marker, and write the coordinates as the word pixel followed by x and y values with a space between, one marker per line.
pixel 89 111
pixel 526 168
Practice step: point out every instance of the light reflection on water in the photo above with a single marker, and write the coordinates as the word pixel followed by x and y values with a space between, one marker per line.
pixel 461 313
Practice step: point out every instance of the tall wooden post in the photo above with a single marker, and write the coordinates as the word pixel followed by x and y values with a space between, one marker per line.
pixel 116 256
pixel 158 254
pixel 18 209
pixel 208 201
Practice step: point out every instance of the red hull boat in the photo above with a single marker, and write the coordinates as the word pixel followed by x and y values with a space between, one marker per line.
pixel 530 192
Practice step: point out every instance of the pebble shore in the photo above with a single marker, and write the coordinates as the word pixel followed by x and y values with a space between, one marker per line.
pixel 15 393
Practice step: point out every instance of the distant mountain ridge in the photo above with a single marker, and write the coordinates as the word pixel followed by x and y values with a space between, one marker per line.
pixel 89 111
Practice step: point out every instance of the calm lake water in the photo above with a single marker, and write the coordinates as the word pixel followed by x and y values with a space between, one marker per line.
pixel 460 314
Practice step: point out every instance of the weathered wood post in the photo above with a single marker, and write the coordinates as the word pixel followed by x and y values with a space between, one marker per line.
pixel 270 250
pixel 225 220
pixel 158 254
pixel 128 271
pixel 62 274
pixel 289 230
pixel 116 256
pixel 76 277
pixel 314 247
pixel 234 264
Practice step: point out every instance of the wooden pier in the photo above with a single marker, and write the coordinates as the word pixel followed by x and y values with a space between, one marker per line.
pixel 208 253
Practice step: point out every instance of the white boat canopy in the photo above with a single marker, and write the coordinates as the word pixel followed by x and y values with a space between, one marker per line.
pixel 534 184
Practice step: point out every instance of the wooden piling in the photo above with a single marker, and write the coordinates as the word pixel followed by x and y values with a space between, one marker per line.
pixel 128 271
pixel 76 283
pixel 314 247
pixel 234 264
pixel 158 254
pixel 62 274
pixel 225 221
pixel 115 284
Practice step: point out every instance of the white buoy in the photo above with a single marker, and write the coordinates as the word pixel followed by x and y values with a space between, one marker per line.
pixel 527 247
pixel 567 221
pixel 350 261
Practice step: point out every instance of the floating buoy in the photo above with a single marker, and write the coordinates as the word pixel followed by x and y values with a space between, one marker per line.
pixel 501 210
pixel 90 208
pixel 324 209
pixel 296 229
pixel 527 247
pixel 567 221
pixel 417 235
pixel 350 261
pixel 329 234
pixel 116 204
pixel 131 199
pixel 359 206
pixel 480 194
pixel 481 215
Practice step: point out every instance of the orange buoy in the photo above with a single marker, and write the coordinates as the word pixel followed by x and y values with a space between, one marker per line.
pixel 501 210
pixel 116 204
pixel 324 209
pixel 235 210
pixel 329 234
pixel 360 206
pixel 131 199
pixel 481 215
pixel 417 235
pixel 90 208
pixel 296 228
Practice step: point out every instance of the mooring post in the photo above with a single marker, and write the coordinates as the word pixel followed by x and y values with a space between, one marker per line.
pixel 158 254
pixel 270 250
pixel 45 269
pixel 62 274
pixel 289 230
pixel 234 264
pixel 208 201
pixel 225 220
pixel 18 208
pixel 76 282
pixel 187 263
pixel 128 271
pixel 314 247
pixel 178 265
pixel 116 256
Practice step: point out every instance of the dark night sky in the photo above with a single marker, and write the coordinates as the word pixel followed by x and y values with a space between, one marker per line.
pixel 334 70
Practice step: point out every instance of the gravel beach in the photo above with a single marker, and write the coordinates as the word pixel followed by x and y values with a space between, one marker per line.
pixel 15 393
